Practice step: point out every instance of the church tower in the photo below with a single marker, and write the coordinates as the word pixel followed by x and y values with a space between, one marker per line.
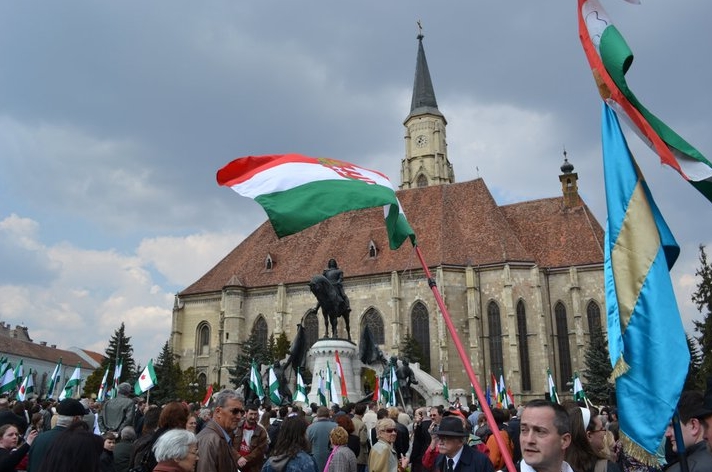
pixel 569 184
pixel 426 161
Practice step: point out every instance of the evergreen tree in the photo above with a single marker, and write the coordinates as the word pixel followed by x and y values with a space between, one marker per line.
pixel 169 377
pixel 703 300
pixel 411 350
pixel 282 346
pixel 598 369
pixel 121 343
pixel 692 381
pixel 250 350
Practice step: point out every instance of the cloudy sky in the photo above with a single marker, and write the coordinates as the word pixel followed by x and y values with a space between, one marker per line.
pixel 115 116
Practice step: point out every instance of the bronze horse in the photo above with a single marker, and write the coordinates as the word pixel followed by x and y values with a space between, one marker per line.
pixel 332 304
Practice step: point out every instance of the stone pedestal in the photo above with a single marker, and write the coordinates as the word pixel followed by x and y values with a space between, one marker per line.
pixel 323 351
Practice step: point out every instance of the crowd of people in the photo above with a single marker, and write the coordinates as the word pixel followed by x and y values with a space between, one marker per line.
pixel 127 434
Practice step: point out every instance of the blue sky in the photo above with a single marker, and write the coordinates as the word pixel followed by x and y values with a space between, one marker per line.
pixel 114 118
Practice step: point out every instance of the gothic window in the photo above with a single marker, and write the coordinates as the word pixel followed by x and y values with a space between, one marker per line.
pixel 593 312
pixel 374 321
pixel 523 346
pixel 495 338
pixel 421 181
pixel 260 331
pixel 203 339
pixel 420 327
pixel 202 380
pixel 268 262
pixel 372 250
pixel 562 335
pixel 311 327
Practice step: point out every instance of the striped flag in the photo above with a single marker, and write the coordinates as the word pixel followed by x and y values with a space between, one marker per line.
pixel 273 384
pixel 342 379
pixel 147 380
pixel 19 373
pixel 376 390
pixel 502 394
pixel 321 391
pixel 54 379
pixel 610 57
pixel 8 383
pixel 300 394
pixel 27 387
pixel 74 381
pixel 646 339
pixel 331 385
pixel 101 396
pixel 117 376
pixel 256 381
pixel 446 390
pixel 552 387
pixel 579 394
pixel 208 396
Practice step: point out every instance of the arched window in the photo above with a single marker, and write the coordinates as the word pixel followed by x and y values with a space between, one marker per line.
pixel 311 327
pixel 372 250
pixel 495 339
pixel 202 380
pixel 374 321
pixel 420 327
pixel 268 262
pixel 593 312
pixel 421 181
pixel 260 331
pixel 203 339
pixel 523 342
pixel 562 336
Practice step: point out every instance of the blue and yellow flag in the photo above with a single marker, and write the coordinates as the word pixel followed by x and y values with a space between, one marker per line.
pixel 646 339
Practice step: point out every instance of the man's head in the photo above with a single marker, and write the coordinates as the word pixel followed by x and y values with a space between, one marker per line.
pixel 436 413
pixel 125 389
pixel 545 435
pixel 359 409
pixel 704 413
pixel 332 264
pixel 690 403
pixel 323 412
pixel 228 409
pixel 252 414
pixel 452 436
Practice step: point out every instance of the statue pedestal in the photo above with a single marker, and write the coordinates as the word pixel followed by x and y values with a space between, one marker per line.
pixel 323 351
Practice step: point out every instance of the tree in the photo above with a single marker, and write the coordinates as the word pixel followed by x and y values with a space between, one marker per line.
pixel 250 350
pixel 411 350
pixel 121 344
pixel 282 346
pixel 598 368
pixel 692 381
pixel 169 377
pixel 702 298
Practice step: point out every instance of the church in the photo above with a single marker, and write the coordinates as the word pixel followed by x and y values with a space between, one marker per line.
pixel 522 282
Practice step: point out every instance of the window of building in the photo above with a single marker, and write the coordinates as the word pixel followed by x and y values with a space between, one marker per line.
pixel 202 380
pixel 372 250
pixel 374 321
pixel 523 342
pixel 203 339
pixel 421 181
pixel 420 327
pixel 495 338
pixel 593 312
pixel 562 336
pixel 260 331
pixel 268 262
pixel 311 327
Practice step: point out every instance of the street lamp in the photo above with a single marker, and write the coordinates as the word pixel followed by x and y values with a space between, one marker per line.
pixel 194 388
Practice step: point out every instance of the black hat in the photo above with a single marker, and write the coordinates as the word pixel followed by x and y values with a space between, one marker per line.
pixel 452 426
pixel 71 407
pixel 705 409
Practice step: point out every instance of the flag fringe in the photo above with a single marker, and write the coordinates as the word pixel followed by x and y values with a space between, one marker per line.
pixel 619 369
pixel 635 451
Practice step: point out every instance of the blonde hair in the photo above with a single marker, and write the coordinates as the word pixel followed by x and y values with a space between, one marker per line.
pixel 338 436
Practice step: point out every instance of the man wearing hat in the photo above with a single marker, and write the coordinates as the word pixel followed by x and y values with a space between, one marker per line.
pixel 454 453
pixel 704 413
pixel 69 410
pixel 698 457
pixel 117 412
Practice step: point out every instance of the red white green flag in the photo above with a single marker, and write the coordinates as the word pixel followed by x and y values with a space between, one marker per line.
pixel 299 191
pixel 342 378
pixel 610 58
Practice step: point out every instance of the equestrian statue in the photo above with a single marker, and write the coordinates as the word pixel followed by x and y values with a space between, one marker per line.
pixel 329 292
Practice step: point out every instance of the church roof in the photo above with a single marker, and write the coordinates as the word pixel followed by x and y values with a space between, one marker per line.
pixel 423 100
pixel 456 225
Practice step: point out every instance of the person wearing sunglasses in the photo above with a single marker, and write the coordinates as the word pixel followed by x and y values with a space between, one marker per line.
pixel 382 457
pixel 215 440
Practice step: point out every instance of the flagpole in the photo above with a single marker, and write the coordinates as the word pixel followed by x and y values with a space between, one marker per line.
pixel 466 363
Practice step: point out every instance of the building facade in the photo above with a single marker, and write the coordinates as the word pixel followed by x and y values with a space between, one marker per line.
pixel 523 282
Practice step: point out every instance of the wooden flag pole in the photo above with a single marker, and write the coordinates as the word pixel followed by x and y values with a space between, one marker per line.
pixel 466 363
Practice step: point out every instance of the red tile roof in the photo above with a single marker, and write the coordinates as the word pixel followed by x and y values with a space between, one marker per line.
pixel 30 350
pixel 456 224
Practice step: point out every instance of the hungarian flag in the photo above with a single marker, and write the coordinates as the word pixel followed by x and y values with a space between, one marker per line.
pixel 256 381
pixel 19 373
pixel 117 375
pixel 331 385
pixel 495 392
pixel 395 386
pixel 552 387
pixel 8 383
pixel 610 58
pixel 101 396
pixel 376 393
pixel 54 379
pixel 300 394
pixel 386 388
pixel 208 396
pixel 147 380
pixel 503 397
pixel 27 387
pixel 342 378
pixel 274 395
pixel 299 191
pixel 74 381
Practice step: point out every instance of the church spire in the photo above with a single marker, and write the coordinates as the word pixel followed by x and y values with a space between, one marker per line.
pixel 426 161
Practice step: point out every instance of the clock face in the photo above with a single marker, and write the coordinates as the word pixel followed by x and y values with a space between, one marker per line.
pixel 421 141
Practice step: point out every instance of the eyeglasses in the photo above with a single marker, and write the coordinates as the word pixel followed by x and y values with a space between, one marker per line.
pixel 237 411
pixel 597 430
pixel 389 430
